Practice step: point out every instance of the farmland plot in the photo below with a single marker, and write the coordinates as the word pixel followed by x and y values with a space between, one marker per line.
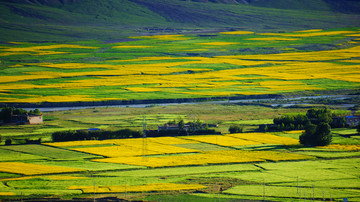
pixel 198 67
pixel 141 173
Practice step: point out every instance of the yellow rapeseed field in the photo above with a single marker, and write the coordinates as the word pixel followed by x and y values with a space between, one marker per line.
pixel 118 151
pixel 237 32
pixel 162 37
pixel 310 30
pixel 212 157
pixel 131 46
pixel 7 193
pixel 192 76
pixel 134 147
pixel 181 160
pixel 265 138
pixel 170 140
pixel 310 34
pixel 218 43
pixel 221 140
pixel 33 169
pixel 294 131
pixel 41 50
pixel 272 39
pixel 342 147
pixel 138 188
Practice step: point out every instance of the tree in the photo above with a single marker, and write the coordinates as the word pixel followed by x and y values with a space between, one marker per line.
pixel 358 127
pixel 36 112
pixel 317 116
pixel 316 135
pixel 236 129
pixel 181 124
pixel 8 141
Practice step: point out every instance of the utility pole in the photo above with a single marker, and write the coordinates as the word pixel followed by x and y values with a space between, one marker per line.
pixel 144 138
pixel 94 190
pixel 263 189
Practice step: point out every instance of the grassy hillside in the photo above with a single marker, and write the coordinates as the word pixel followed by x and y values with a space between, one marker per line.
pixel 44 20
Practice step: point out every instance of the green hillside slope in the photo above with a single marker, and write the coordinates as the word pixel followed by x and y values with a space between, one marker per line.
pixel 40 20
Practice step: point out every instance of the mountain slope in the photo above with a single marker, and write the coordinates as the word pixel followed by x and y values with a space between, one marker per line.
pixel 111 19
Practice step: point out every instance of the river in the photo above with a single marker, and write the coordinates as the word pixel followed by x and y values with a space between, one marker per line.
pixel 289 102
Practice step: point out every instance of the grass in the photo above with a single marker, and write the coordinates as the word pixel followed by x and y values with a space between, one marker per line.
pixel 48 152
pixel 7 155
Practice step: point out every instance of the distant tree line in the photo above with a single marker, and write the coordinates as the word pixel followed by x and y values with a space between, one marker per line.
pixel 300 121
pixel 180 128
pixel 236 129
pixel 72 135
pixel 291 122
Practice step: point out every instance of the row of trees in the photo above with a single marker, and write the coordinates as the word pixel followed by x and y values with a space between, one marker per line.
pixel 94 135
pixel 196 127
pixel 299 121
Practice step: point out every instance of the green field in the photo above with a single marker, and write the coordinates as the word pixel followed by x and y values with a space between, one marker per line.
pixel 76 53
pixel 326 174
pixel 335 177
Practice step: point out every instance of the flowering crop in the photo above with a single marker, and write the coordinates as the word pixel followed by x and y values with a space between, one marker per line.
pixel 310 30
pixel 237 32
pixel 265 138
pixel 273 39
pixel 212 157
pixel 342 147
pixel 162 37
pixel 138 188
pixel 221 140
pixel 181 160
pixel 134 147
pixel 33 169
pixel 7 193
pixel 131 47
pixel 218 43
pixel 180 76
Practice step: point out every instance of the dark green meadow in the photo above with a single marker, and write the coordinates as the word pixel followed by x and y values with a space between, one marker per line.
pixel 111 20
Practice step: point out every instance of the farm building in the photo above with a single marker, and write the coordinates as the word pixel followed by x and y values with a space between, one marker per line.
pixel 352 120
pixel 27 119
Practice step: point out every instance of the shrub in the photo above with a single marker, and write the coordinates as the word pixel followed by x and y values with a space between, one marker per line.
pixel 236 129
pixel 316 135
pixel 8 141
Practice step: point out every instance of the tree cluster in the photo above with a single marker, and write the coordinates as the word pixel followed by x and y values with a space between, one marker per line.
pixel 236 129
pixel 289 122
pixel 94 135
pixel 196 127
pixel 318 131
pixel 7 112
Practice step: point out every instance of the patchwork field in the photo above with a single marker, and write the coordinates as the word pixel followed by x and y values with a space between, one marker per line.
pixel 160 168
pixel 180 66
pixel 250 165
